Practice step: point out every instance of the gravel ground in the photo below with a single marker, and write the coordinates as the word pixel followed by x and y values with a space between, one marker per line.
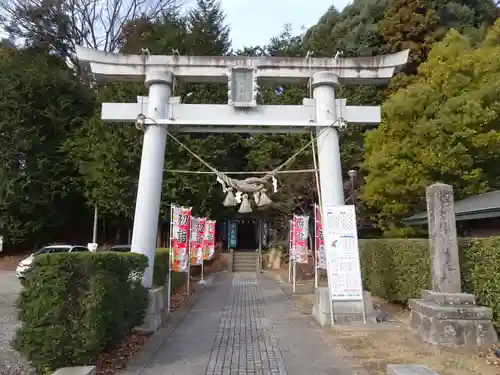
pixel 10 361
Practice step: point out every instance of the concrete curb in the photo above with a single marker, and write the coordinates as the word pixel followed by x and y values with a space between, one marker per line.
pixel 140 361
pixel 342 354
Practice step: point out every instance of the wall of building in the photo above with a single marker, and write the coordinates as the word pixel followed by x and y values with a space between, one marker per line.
pixel 479 228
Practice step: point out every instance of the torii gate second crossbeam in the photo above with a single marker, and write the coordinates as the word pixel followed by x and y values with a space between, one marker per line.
pixel 221 118
pixel 242 75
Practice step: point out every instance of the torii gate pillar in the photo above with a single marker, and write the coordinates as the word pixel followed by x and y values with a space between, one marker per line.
pixel 330 171
pixel 147 206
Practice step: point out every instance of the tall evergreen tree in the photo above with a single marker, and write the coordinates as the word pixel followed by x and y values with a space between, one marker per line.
pixel 194 34
pixel 209 34
pixel 444 127
pixel 41 106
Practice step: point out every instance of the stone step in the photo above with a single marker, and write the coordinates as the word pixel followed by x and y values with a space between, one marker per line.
pixel 244 261
pixel 248 265
pixel 244 270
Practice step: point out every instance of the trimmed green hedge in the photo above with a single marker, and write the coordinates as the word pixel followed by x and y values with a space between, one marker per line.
pixel 74 304
pixel 160 271
pixel 398 269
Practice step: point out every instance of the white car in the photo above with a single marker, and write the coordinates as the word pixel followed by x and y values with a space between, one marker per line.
pixel 26 263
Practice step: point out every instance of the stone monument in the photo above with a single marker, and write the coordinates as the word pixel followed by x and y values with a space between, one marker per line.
pixel 444 315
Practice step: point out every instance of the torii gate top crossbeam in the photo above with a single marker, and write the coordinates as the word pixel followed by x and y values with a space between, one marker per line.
pixel 116 67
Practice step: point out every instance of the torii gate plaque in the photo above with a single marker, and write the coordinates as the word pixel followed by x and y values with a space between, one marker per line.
pixel 241 114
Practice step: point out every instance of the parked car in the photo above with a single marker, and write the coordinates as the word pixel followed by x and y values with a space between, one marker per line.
pixel 120 248
pixel 26 263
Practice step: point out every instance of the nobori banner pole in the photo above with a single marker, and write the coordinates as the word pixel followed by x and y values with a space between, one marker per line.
pixel 365 320
pixel 202 250
pixel 316 249
pixel 188 271
pixel 147 207
pixel 294 265
pixel 171 234
pixel 259 255
pixel 96 218
pixel 290 250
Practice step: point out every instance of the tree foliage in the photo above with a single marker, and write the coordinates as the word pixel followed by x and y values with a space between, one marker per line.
pixel 41 106
pixel 66 159
pixel 443 127
pixel 108 155
pixel 60 25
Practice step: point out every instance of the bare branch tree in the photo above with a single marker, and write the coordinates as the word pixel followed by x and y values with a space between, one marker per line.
pixel 62 24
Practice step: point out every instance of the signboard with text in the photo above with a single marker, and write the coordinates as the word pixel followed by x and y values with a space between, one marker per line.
pixel 342 254
pixel 232 233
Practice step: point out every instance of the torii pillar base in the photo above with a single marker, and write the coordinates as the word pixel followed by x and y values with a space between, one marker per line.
pixel 344 312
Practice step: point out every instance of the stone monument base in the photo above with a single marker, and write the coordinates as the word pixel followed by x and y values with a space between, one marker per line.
pixel 409 370
pixel 344 312
pixel 452 319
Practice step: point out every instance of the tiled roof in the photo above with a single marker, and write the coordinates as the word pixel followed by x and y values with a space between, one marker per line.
pixel 480 206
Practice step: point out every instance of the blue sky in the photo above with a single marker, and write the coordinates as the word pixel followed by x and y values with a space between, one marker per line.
pixel 254 22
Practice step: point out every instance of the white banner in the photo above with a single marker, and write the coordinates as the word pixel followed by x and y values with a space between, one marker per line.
pixel 342 253
pixel 196 245
pixel 300 235
pixel 209 240
pixel 319 241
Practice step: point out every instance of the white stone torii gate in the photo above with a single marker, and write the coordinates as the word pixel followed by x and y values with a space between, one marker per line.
pixel 242 114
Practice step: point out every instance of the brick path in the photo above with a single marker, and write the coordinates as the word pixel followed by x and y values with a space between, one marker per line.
pixel 244 325
pixel 245 342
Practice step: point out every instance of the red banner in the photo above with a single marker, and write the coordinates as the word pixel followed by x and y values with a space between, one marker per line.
pixel 209 240
pixel 319 241
pixel 300 233
pixel 196 248
pixel 181 223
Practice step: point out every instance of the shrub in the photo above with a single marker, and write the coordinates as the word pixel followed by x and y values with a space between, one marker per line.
pixel 160 271
pixel 398 269
pixel 480 271
pixel 178 279
pixel 73 305
pixel 394 269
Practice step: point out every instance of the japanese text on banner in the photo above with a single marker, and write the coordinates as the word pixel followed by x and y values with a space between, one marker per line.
pixel 197 231
pixel 319 241
pixel 209 240
pixel 341 240
pixel 300 236
pixel 181 222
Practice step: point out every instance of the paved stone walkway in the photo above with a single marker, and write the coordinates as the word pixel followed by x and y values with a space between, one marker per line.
pixel 243 325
